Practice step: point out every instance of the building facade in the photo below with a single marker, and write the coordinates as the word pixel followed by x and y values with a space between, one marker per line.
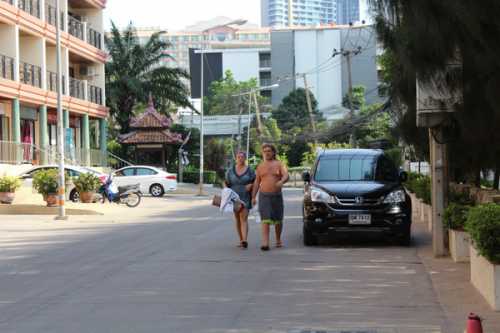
pixel 28 81
pixel 309 50
pixel 282 13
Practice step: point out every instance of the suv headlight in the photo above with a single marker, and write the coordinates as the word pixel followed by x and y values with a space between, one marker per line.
pixel 395 197
pixel 318 195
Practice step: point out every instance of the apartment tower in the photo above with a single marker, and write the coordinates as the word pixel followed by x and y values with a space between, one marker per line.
pixel 282 13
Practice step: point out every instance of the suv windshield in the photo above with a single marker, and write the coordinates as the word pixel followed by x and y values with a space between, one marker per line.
pixel 345 168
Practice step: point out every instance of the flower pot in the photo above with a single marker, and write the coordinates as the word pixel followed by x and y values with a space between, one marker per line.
pixel 7 197
pixel 485 277
pixel 86 197
pixel 51 199
pixel 459 245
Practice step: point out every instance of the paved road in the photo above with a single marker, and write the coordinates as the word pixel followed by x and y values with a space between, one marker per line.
pixel 179 271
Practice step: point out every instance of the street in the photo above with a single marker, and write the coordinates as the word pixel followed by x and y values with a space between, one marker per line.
pixel 179 270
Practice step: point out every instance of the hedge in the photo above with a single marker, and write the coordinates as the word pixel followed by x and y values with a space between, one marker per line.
pixel 193 177
pixel 483 226
pixel 455 215
pixel 422 187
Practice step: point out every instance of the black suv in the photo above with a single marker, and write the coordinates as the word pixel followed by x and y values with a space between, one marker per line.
pixel 355 190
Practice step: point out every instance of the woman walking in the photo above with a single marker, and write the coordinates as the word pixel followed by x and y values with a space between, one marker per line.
pixel 240 178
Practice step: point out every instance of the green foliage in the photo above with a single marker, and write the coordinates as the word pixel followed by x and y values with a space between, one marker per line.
pixel 135 70
pixel 358 98
pixel 461 198
pixel 422 187
pixel 217 153
pixel 293 110
pixel 395 155
pixel 483 225
pixel 193 177
pixel 87 182
pixel 220 99
pixel 412 181
pixel 455 215
pixel 45 181
pixel 9 183
pixel 309 157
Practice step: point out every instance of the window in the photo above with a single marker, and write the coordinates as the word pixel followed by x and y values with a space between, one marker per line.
pixel 386 170
pixel 145 172
pixel 345 168
pixel 125 172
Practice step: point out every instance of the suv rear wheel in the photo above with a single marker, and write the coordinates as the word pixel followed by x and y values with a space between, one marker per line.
pixel 309 238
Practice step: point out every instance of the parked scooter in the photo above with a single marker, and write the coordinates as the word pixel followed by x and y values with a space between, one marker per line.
pixel 128 195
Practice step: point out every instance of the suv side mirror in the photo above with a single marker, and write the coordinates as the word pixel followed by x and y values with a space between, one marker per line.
pixel 403 176
pixel 306 176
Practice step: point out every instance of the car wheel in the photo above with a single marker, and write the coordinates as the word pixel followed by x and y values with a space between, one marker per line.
pixel 74 196
pixel 309 238
pixel 156 190
pixel 405 238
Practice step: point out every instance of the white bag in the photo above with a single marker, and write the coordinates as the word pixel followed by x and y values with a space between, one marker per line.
pixel 256 214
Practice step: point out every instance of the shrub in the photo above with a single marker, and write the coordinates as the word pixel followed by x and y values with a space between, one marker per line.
pixel 462 198
pixel 483 226
pixel 193 177
pixel 410 184
pixel 45 181
pixel 455 216
pixel 87 182
pixel 423 189
pixel 9 183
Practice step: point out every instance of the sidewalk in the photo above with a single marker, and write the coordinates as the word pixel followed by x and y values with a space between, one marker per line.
pixel 457 295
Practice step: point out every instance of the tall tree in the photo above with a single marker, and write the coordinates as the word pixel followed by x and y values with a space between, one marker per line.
pixel 135 70
pixel 293 111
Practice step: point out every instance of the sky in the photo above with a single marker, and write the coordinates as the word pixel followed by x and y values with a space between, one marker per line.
pixel 177 14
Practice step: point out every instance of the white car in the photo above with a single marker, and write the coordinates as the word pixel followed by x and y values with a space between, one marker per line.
pixel 73 171
pixel 150 179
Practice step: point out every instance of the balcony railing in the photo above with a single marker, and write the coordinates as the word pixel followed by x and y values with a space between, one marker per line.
pixel 51 16
pixel 76 88
pixel 6 67
pixel 30 6
pixel 266 82
pixel 75 27
pixel 30 74
pixel 94 38
pixel 265 63
pixel 94 94
pixel 52 82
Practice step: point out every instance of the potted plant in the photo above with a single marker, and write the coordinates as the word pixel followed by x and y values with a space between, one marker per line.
pixel 45 183
pixel 87 184
pixel 8 186
pixel 454 218
pixel 483 226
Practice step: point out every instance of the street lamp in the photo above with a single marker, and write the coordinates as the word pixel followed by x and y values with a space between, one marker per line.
pixel 202 57
pixel 251 94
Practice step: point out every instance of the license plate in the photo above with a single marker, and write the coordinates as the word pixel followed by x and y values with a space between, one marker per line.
pixel 360 219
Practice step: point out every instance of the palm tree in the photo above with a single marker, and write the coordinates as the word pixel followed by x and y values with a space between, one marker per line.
pixel 135 70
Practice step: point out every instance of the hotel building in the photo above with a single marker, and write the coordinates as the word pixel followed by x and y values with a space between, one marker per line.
pixel 28 81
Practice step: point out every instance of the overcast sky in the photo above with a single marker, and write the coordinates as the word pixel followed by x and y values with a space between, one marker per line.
pixel 177 14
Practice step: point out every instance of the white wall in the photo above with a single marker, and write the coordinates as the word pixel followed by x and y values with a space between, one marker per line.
pixel 243 63
pixel 7 37
pixel 313 48
pixel 31 50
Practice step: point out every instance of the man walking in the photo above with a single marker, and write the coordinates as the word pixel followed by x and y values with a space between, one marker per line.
pixel 271 175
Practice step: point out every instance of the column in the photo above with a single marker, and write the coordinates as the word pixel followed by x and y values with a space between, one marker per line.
pixel 66 118
pixel 86 139
pixel 44 136
pixel 16 130
pixel 103 135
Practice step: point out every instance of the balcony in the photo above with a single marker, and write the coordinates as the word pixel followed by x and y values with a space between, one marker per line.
pixel 76 28
pixel 52 82
pixel 264 82
pixel 77 88
pixel 31 7
pixel 6 67
pixel 9 1
pixel 265 63
pixel 94 38
pixel 51 15
pixel 94 94
pixel 30 74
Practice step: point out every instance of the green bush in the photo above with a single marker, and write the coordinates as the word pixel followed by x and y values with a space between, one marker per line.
pixel 193 177
pixel 410 184
pixel 422 186
pixel 483 226
pixel 461 198
pixel 87 182
pixel 9 183
pixel 455 216
pixel 45 181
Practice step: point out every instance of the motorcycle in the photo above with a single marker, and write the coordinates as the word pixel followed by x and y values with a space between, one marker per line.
pixel 128 195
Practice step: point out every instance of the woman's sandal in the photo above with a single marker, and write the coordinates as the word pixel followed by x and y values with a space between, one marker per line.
pixel 279 244
pixel 244 244
pixel 264 248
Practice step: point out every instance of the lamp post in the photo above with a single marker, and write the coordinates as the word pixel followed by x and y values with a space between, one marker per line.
pixel 252 96
pixel 202 83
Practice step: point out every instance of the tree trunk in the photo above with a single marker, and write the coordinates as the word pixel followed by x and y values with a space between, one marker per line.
pixel 496 179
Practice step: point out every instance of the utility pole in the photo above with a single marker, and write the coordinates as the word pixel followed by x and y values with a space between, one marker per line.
pixel 249 124
pixel 200 189
pixel 257 113
pixel 309 108
pixel 60 125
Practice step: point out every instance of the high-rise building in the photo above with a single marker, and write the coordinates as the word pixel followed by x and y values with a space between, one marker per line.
pixel 353 11
pixel 277 13
pixel 28 89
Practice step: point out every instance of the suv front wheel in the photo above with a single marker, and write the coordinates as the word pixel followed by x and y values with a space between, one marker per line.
pixel 309 238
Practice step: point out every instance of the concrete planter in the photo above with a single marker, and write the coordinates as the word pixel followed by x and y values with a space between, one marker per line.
pixel 422 211
pixel 87 197
pixel 459 245
pixel 485 277
pixel 50 199
pixel 428 215
pixel 7 197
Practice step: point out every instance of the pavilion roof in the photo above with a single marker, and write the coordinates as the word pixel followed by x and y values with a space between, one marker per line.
pixel 151 118
pixel 149 136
